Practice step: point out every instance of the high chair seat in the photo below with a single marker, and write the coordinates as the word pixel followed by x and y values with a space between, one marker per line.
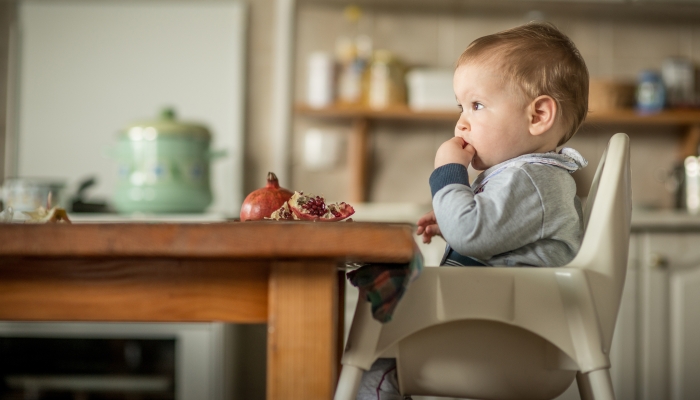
pixel 510 332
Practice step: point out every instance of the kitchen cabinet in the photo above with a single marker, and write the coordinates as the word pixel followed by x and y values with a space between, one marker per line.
pixel 669 296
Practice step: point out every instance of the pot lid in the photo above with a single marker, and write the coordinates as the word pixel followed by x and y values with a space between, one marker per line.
pixel 167 124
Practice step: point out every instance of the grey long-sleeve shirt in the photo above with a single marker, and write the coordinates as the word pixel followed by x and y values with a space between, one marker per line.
pixel 524 214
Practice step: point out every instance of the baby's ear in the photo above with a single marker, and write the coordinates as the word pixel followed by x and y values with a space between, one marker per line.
pixel 543 113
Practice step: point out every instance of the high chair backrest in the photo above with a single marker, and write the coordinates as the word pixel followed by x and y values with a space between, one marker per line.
pixel 605 245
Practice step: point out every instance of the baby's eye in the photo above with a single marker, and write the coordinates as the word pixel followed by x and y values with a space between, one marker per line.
pixel 460 107
pixel 477 106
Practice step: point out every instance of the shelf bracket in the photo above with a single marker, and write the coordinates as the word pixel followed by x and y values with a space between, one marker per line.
pixel 358 159
pixel 689 142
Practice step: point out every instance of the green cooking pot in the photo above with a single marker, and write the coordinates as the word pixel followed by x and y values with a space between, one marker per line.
pixel 163 167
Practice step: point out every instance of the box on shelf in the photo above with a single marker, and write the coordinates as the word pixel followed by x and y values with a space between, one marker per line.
pixel 606 95
pixel 430 89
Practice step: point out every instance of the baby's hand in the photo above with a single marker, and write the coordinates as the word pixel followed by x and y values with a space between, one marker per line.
pixel 428 227
pixel 455 150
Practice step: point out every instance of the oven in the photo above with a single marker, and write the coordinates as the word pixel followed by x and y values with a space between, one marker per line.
pixel 105 361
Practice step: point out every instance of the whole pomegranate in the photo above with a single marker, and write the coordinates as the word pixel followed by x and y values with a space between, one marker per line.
pixel 263 202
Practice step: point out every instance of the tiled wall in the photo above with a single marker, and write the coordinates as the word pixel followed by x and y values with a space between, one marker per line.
pixel 402 152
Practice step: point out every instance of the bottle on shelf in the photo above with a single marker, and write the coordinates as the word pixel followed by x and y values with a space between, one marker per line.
pixel 353 53
pixel 320 90
pixel 351 69
pixel 384 83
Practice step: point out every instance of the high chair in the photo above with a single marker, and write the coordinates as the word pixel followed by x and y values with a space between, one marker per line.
pixel 510 333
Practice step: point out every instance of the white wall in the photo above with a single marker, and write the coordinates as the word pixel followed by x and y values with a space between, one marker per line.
pixel 88 69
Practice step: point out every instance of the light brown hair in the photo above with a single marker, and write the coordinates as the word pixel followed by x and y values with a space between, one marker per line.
pixel 540 60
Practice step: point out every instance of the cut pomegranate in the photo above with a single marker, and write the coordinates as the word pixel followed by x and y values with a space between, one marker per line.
pixel 261 203
pixel 282 213
pixel 312 208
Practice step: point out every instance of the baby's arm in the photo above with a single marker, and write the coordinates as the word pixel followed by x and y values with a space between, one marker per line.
pixel 453 151
pixel 506 216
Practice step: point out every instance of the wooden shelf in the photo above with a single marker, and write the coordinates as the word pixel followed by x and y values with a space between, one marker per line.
pixel 668 117
pixel 361 117
pixel 394 113
pixel 681 117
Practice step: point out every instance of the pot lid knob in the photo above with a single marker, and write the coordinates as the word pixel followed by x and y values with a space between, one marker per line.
pixel 168 113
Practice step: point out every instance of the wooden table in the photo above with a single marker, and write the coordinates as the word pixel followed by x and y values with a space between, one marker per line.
pixel 282 273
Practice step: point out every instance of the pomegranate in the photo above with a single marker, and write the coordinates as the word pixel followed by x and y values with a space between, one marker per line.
pixel 282 213
pixel 260 203
pixel 315 208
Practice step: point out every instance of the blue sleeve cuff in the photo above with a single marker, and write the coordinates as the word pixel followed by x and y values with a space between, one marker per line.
pixel 447 175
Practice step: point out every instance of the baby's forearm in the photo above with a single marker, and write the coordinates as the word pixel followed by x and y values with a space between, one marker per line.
pixel 496 221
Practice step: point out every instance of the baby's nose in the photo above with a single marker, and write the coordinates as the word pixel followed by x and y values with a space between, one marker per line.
pixel 462 126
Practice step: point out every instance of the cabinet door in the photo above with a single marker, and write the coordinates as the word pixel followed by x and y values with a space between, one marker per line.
pixel 669 296
pixel 684 332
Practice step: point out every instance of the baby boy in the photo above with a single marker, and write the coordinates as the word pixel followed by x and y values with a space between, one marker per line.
pixel 522 94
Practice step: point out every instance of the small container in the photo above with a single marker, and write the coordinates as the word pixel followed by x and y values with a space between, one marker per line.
pixel 321 80
pixel 678 75
pixel 384 81
pixel 431 89
pixel 650 92
pixel 28 194
pixel 606 95
pixel 692 184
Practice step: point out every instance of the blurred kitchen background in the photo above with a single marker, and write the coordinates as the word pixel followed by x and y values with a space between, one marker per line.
pixel 349 100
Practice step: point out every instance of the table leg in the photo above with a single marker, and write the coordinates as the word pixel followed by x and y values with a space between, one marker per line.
pixel 302 355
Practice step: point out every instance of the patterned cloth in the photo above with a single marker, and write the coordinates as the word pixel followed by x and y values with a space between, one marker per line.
pixel 384 284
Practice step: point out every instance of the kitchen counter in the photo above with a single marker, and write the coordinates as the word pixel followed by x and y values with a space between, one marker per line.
pixel 664 220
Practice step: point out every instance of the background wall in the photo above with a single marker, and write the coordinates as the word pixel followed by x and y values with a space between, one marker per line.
pixel 613 46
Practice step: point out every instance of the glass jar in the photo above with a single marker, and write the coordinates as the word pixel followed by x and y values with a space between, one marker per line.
pixel 650 92
pixel 384 81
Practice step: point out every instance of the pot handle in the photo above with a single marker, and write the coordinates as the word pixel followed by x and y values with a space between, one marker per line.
pixel 214 154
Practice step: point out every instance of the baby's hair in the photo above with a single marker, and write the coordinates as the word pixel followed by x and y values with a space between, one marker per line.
pixel 540 60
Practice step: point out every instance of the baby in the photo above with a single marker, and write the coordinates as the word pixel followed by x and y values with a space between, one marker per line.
pixel 522 93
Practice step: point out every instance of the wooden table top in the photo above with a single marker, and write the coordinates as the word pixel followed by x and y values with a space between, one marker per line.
pixel 361 241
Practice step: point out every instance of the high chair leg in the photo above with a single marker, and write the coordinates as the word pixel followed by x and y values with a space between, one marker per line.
pixel 349 383
pixel 595 385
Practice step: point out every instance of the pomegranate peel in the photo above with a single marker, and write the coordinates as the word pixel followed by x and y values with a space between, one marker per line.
pixel 282 213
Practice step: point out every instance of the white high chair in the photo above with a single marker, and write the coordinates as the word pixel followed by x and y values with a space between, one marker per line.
pixel 510 333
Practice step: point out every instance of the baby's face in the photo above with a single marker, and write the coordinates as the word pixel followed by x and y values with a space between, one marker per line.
pixel 494 118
